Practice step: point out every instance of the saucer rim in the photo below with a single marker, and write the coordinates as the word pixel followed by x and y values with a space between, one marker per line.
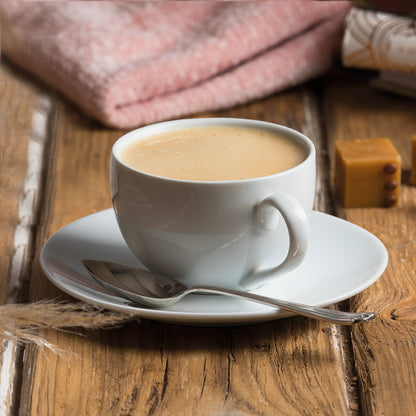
pixel 217 318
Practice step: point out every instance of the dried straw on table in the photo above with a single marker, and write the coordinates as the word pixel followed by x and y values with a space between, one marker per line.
pixel 21 322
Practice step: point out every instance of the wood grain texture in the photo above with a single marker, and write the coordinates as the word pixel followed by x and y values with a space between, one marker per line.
pixel 20 111
pixel 24 115
pixel 385 350
pixel 287 367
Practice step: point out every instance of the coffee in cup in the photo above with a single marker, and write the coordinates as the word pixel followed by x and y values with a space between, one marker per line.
pixel 215 201
pixel 214 153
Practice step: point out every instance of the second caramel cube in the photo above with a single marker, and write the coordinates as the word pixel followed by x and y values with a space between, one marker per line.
pixel 367 173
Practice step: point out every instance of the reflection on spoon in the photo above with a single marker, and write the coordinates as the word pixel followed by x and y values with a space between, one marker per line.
pixel 155 290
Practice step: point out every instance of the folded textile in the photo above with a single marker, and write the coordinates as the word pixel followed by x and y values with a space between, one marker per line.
pixel 401 83
pixel 134 63
pixel 378 40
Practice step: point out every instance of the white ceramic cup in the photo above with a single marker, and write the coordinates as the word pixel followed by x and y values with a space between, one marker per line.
pixel 235 234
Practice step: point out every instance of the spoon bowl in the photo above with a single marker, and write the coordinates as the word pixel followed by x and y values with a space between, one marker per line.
pixel 158 291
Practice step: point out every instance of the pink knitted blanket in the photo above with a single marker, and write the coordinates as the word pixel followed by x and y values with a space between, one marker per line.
pixel 133 63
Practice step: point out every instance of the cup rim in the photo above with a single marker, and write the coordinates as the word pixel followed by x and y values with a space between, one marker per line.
pixel 180 124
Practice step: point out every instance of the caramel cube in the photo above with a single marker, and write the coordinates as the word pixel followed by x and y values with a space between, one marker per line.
pixel 367 173
pixel 413 168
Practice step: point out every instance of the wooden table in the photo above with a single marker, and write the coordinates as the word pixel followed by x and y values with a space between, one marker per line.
pixel 54 169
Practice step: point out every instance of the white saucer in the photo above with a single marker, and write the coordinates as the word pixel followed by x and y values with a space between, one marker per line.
pixel 343 259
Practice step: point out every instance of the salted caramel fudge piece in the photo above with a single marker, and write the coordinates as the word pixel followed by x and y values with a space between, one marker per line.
pixel 367 173
pixel 413 168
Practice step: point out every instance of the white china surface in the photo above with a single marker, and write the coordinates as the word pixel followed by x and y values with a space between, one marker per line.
pixel 342 260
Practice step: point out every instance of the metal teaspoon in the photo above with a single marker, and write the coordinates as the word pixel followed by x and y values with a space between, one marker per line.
pixel 155 290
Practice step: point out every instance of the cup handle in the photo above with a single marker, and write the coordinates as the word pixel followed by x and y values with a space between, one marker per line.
pixel 298 227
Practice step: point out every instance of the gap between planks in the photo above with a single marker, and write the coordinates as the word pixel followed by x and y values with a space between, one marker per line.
pixel 313 128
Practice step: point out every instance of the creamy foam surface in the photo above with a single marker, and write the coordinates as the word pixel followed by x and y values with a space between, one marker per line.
pixel 214 153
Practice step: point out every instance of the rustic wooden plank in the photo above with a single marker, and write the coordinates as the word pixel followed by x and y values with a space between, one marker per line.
pixel 385 349
pixel 291 366
pixel 24 114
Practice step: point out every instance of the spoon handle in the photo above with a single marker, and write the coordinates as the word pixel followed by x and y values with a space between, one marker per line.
pixel 334 316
